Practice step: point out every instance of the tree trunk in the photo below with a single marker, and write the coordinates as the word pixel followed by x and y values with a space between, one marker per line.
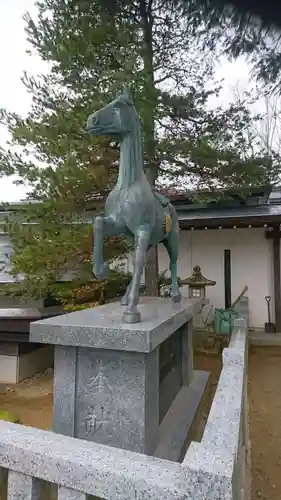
pixel 151 272
pixel 151 268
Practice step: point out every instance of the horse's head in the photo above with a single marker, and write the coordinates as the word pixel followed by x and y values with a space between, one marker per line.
pixel 116 119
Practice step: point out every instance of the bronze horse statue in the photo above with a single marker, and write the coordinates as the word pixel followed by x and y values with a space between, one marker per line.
pixel 132 208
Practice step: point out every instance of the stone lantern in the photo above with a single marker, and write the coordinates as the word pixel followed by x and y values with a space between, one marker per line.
pixel 197 284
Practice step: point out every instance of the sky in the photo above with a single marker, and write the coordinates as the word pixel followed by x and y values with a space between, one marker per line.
pixel 14 61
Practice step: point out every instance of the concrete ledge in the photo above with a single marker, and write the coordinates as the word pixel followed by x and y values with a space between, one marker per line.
pixel 8 369
pixel 15 368
pixel 260 338
pixel 178 420
pixel 102 327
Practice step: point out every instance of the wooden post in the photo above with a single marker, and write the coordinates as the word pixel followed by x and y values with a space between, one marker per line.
pixel 227 278
pixel 277 284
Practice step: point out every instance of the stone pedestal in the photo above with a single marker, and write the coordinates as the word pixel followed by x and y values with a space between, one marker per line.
pixel 19 358
pixel 115 383
pixel 19 361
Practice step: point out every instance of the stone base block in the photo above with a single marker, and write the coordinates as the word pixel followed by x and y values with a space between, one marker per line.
pixel 21 361
pixel 114 383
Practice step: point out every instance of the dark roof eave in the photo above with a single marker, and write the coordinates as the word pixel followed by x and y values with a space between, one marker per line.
pixel 201 222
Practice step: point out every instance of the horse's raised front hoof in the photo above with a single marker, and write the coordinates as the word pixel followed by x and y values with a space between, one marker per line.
pixel 177 297
pixel 124 300
pixel 131 316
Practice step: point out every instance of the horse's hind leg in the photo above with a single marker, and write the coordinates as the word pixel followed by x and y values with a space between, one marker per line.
pixel 171 244
pixel 125 299
pixel 131 314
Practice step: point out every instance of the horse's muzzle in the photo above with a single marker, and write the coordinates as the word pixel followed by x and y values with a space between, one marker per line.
pixel 92 122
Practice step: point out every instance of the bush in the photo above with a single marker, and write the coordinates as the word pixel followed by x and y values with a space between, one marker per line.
pixel 76 296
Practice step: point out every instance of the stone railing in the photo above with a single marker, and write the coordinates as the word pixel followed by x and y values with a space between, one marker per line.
pixel 214 468
pixel 224 451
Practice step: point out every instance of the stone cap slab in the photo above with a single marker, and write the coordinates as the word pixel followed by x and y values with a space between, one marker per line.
pixel 99 470
pixel 102 327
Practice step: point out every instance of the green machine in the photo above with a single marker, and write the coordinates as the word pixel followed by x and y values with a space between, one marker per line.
pixel 224 320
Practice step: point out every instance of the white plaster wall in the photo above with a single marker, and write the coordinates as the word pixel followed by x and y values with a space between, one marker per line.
pixel 5 248
pixel 251 264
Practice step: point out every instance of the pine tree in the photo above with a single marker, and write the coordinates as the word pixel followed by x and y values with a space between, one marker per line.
pixel 91 52
pixel 237 27
pixel 69 174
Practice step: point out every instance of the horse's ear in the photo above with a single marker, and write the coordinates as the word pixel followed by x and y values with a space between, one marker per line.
pixel 127 94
